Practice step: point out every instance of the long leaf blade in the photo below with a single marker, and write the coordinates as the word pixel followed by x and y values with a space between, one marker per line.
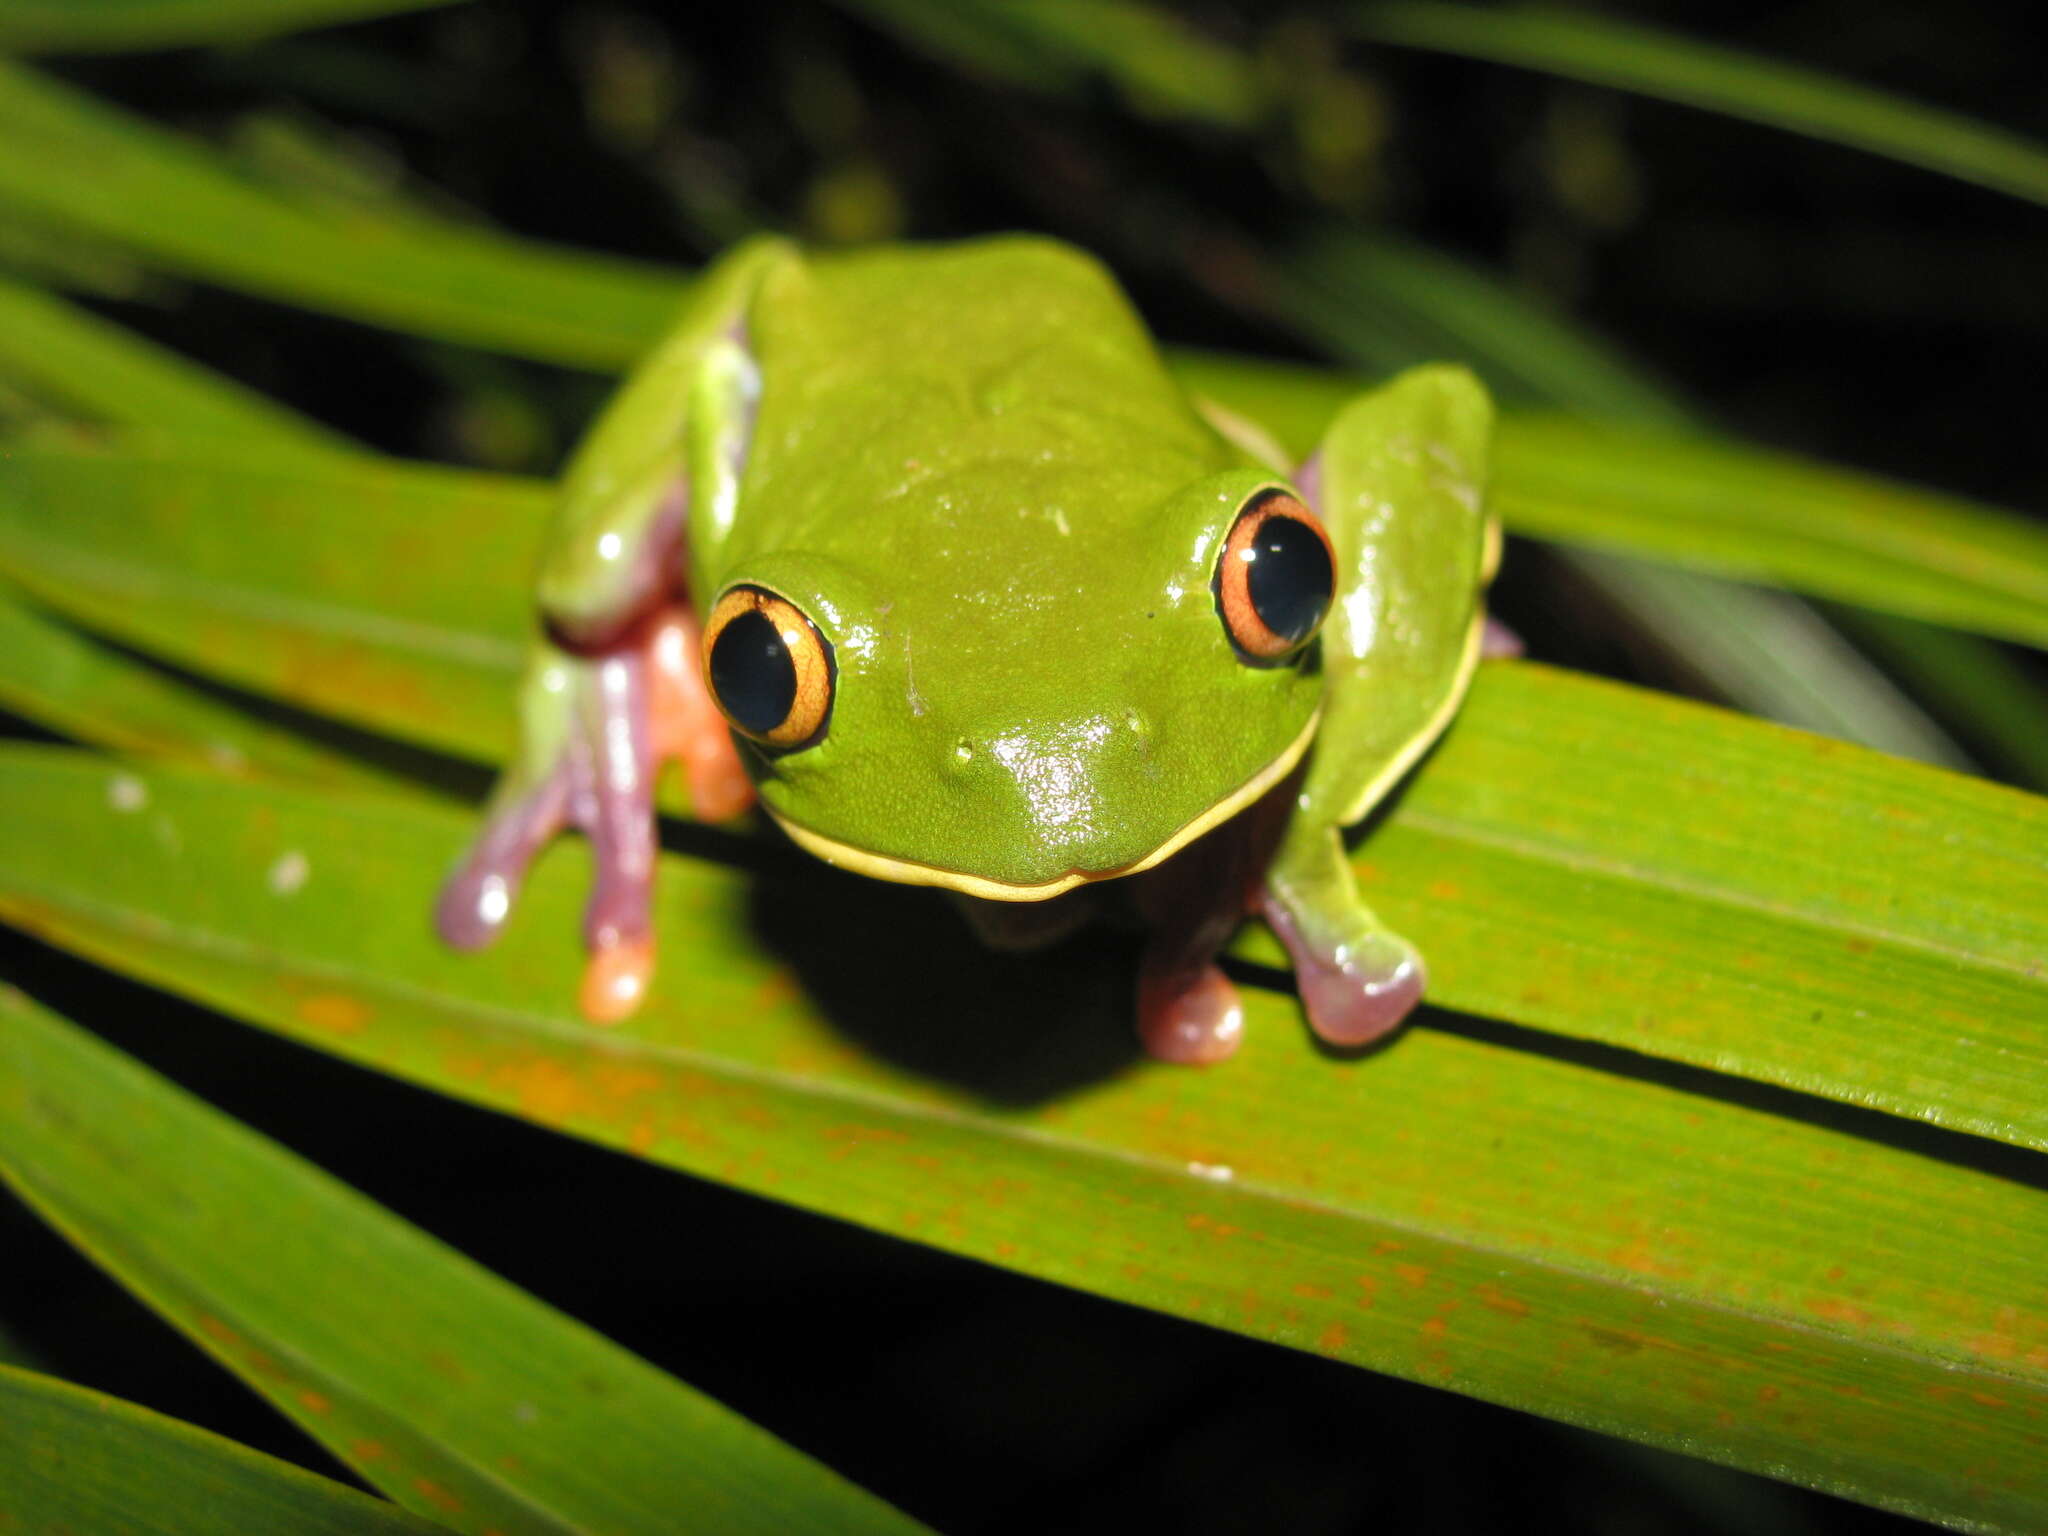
pixel 516 1418
pixel 322 583
pixel 1709 505
pixel 119 26
pixel 1449 1210
pixel 101 370
pixel 1603 51
pixel 66 158
pixel 81 1461
pixel 69 683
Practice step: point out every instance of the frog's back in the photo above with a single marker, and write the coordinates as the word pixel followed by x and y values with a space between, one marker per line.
pixel 906 373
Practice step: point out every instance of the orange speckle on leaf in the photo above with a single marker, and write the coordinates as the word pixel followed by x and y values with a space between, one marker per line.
pixel 316 1402
pixel 368 1452
pixel 640 1140
pixel 436 1495
pixel 1414 1276
pixel 1986 1400
pixel 1434 1328
pixel 1495 1299
pixel 1331 1340
pixel 1768 1394
pixel 1311 1292
pixel 1445 890
pixel 544 1090
pixel 216 1330
pixel 335 1013
pixel 1836 1310
pixel 1993 1346
pixel 1386 1245
pixel 848 1139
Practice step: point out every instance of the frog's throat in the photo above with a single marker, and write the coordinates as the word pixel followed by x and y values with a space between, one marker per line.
pixel 905 872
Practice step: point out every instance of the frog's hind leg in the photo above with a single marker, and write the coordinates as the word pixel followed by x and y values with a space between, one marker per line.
pixel 1188 1010
pixel 1358 978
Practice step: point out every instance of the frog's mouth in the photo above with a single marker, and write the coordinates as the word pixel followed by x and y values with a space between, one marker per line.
pixel 881 866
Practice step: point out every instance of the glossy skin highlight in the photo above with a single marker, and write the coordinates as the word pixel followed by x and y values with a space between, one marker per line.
pixel 965 470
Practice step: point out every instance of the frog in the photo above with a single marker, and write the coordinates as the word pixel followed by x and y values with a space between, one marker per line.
pixel 923 550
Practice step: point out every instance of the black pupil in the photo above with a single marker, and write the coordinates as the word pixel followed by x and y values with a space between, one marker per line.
pixel 752 673
pixel 1289 579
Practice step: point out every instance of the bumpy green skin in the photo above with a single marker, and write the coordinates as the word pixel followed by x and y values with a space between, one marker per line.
pixel 971 470
pixel 967 466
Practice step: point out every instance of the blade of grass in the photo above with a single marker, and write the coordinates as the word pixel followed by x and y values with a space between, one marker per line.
pixel 264 561
pixel 535 1424
pixel 1779 658
pixel 102 371
pixel 1710 505
pixel 1604 51
pixel 1388 305
pixel 1161 65
pixel 2001 701
pixel 415 273
pixel 67 159
pixel 1449 1210
pixel 323 583
pixel 1771 517
pixel 68 683
pixel 81 1461
pixel 1383 303
pixel 121 26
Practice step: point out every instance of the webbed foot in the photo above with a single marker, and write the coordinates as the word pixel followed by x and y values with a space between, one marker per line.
pixel 594 731
pixel 1358 981
pixel 1358 978
pixel 1187 1013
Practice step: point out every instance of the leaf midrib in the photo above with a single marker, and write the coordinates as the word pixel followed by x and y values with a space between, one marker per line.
pixel 1453 829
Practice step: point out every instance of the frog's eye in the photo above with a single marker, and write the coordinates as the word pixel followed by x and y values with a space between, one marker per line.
pixel 770 670
pixel 1275 577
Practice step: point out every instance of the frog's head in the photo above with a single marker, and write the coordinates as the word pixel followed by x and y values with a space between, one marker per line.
pixel 1010 711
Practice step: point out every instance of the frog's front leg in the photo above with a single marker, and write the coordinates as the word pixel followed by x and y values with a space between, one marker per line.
pixel 1400 481
pixel 597 719
pixel 613 685
pixel 1358 978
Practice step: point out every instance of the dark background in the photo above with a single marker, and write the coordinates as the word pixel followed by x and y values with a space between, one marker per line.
pixel 1800 294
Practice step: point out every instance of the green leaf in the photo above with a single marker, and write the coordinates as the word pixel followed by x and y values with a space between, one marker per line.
pixel 375 591
pixel 1845 924
pixel 1161 65
pixel 1386 304
pixel 1771 517
pixel 2002 701
pixel 1603 51
pixel 455 1392
pixel 1383 304
pixel 62 154
pixel 115 26
pixel 1450 1210
pixel 84 363
pixel 1770 654
pixel 81 1461
pixel 65 158
pixel 52 674
pixel 1711 505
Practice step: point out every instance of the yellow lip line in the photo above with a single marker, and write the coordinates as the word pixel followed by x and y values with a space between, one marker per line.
pixel 905 872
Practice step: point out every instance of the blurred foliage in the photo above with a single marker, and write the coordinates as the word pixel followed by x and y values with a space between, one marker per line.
pixel 1312 183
